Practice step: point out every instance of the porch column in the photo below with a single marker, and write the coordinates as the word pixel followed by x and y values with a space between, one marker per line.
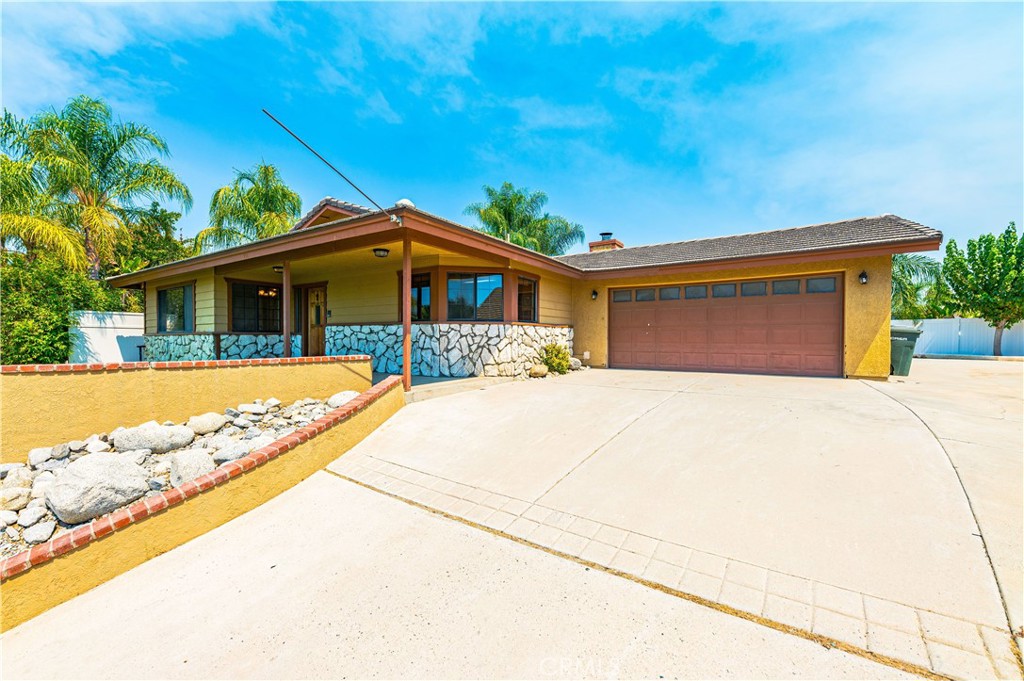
pixel 407 312
pixel 286 307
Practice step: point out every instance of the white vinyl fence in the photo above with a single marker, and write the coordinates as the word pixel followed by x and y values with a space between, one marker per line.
pixel 963 337
pixel 107 337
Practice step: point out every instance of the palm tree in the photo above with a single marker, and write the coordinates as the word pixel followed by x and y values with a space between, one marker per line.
pixel 912 273
pixel 516 216
pixel 27 212
pixel 97 169
pixel 256 205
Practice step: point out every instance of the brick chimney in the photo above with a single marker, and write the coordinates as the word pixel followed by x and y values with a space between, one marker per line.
pixel 605 243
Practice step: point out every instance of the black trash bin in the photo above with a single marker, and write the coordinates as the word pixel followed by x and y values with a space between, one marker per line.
pixel 902 340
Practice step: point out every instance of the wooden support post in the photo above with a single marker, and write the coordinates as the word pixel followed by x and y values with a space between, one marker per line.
pixel 407 312
pixel 286 308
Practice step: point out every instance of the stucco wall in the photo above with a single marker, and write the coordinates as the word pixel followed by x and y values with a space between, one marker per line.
pixel 866 308
pixel 72 573
pixel 53 407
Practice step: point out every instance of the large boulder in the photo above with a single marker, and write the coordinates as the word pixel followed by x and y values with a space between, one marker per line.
pixel 207 423
pixel 189 465
pixel 154 437
pixel 94 485
pixel 339 399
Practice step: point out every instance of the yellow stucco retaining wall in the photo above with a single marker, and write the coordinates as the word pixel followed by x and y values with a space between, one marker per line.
pixel 44 586
pixel 866 308
pixel 48 408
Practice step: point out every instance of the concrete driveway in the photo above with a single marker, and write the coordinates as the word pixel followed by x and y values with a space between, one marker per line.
pixel 826 505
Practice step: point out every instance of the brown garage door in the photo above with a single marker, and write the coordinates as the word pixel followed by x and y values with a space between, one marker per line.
pixel 769 326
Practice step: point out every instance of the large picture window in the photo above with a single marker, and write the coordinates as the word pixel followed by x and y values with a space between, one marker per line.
pixel 475 297
pixel 420 297
pixel 175 309
pixel 527 300
pixel 255 308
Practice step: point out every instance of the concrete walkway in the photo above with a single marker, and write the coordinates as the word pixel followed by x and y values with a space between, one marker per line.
pixel 820 504
pixel 330 580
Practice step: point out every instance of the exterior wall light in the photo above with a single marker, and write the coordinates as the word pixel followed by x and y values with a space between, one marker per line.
pixel 381 252
pixel 279 269
pixel 593 295
pixel 863 277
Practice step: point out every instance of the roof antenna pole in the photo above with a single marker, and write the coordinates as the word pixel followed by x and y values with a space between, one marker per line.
pixel 394 218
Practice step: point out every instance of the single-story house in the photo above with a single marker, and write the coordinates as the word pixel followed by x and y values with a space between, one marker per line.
pixel 426 296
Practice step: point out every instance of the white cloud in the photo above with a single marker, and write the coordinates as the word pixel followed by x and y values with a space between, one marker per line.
pixel 536 114
pixel 51 49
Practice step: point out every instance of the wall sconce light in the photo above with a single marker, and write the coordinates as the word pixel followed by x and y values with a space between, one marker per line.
pixel 279 269
pixel 381 252
pixel 863 277
pixel 593 295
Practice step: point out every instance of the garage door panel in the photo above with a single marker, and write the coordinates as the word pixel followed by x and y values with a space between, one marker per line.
pixel 785 334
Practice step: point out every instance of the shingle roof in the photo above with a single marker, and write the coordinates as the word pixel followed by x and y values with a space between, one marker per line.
pixel 354 208
pixel 858 232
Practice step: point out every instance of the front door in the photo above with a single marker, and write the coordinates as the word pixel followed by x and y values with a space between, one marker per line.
pixel 316 319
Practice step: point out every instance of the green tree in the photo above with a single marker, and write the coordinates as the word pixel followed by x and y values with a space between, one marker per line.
pixel 97 169
pixel 516 215
pixel 911 274
pixel 989 279
pixel 256 205
pixel 39 294
pixel 150 241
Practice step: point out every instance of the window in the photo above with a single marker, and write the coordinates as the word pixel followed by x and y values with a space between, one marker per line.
pixel 669 293
pixel 420 297
pixel 622 296
pixel 821 285
pixel 175 308
pixel 754 288
pixel 644 295
pixel 256 307
pixel 723 290
pixel 696 292
pixel 527 297
pixel 786 288
pixel 475 297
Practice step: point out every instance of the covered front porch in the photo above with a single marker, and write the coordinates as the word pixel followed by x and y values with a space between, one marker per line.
pixel 420 295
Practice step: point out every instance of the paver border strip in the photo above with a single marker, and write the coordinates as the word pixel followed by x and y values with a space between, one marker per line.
pixel 147 506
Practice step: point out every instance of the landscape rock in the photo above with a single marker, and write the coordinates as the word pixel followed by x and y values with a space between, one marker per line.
pixel 189 465
pixel 538 371
pixel 6 468
pixel 38 455
pixel 339 399
pixel 156 438
pixel 42 483
pixel 235 451
pixel 31 516
pixel 272 402
pixel 8 517
pixel 19 477
pixel 575 364
pixel 94 485
pixel 55 464
pixel 258 442
pixel 12 534
pixel 77 445
pixel 60 451
pixel 241 422
pixel 97 446
pixel 14 498
pixel 207 423
pixel 252 409
pixel 232 413
pixel 156 484
pixel 39 533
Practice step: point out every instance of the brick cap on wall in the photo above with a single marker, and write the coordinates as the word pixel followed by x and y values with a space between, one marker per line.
pixel 147 506
pixel 202 364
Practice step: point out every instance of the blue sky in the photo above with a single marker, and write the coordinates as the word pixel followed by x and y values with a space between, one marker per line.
pixel 659 122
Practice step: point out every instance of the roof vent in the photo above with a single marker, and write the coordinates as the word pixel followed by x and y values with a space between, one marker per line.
pixel 405 203
pixel 605 243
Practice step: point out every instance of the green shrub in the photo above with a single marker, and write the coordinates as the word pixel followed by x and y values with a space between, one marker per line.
pixel 555 357
pixel 37 296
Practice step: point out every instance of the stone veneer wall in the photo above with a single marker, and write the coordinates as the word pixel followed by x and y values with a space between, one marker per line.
pixel 456 350
pixel 193 347
pixel 179 347
pixel 245 346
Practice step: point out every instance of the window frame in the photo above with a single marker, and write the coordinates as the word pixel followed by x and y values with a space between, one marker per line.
pixel 476 304
pixel 280 298
pixel 833 277
pixel 686 291
pixel 799 287
pixel 653 293
pixel 744 284
pixel 735 290
pixel 181 284
pixel 678 292
pixel 536 299
pixel 627 291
